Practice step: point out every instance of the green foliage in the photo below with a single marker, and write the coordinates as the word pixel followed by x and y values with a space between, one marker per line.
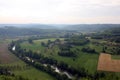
pixel 30 41
pixel 88 50
pixel 78 40
pixel 116 50
pixel 13 78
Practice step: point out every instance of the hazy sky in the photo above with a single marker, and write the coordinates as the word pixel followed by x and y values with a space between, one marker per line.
pixel 60 11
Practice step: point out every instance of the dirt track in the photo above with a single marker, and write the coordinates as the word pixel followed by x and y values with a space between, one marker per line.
pixel 105 63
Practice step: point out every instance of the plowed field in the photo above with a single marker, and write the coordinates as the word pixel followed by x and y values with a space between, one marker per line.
pixel 105 63
pixel 5 55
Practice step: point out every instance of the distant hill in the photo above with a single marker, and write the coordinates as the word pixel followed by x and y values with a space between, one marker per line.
pixel 79 27
pixel 41 26
pixel 91 27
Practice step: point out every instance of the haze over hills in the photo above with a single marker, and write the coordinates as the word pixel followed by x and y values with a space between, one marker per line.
pixel 78 27
pixel 43 29
pixel 62 26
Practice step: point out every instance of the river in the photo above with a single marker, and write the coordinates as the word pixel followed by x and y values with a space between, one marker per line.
pixel 56 69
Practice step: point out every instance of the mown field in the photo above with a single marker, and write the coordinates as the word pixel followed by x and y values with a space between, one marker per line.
pixel 18 67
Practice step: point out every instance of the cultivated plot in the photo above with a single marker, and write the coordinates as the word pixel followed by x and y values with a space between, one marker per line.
pixel 105 63
pixel 5 55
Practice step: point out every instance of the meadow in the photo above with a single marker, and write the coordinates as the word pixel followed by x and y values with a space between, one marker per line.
pixel 82 60
pixel 18 67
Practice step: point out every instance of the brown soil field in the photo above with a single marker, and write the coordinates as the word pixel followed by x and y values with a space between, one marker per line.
pixel 5 55
pixel 105 63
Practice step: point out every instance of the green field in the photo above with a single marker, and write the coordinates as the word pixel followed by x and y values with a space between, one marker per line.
pixel 116 57
pixel 37 47
pixel 88 61
pixel 33 74
pixel 85 60
pixel 19 67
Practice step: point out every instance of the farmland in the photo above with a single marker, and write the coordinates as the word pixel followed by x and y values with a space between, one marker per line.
pixel 107 64
pixel 38 57
pixel 5 56
pixel 18 67
pixel 83 59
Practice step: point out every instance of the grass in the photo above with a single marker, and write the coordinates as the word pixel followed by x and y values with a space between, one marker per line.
pixel 85 60
pixel 88 61
pixel 31 74
pixel 20 68
pixel 36 46
pixel 116 57
pixel 34 74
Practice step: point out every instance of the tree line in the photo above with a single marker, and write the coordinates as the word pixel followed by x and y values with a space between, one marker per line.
pixel 40 59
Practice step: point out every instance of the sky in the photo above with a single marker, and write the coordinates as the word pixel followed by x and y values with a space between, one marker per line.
pixel 60 11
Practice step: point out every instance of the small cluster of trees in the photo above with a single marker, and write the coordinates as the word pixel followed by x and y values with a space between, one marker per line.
pixel 43 44
pixel 67 53
pixel 115 50
pixel 97 37
pixel 5 71
pixel 88 50
pixel 6 74
pixel 50 44
pixel 65 50
pixel 77 40
pixel 30 41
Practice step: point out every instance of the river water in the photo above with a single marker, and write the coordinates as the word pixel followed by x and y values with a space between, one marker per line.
pixel 61 72
pixel 56 69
